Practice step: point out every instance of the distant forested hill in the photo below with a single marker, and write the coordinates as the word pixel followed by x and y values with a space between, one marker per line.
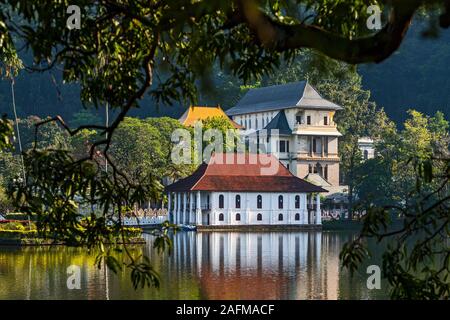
pixel 417 76
pixel 45 94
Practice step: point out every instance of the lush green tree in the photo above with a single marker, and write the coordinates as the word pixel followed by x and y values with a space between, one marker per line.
pixel 416 137
pixel 80 143
pixel 10 166
pixel 316 68
pixel 10 64
pixel 409 180
pixel 10 171
pixel 390 177
pixel 6 204
pixel 220 123
pixel 374 184
pixel 6 131
pixel 136 150
pixel 224 128
pixel 374 181
pixel 49 135
pixel 359 118
pixel 143 151
pixel 166 126
pixel 84 117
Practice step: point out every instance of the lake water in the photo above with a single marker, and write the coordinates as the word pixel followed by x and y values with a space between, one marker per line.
pixel 204 265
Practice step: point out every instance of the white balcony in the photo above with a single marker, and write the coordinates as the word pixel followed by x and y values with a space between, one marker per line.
pixel 314 130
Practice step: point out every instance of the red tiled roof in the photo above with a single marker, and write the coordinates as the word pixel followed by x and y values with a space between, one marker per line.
pixel 252 173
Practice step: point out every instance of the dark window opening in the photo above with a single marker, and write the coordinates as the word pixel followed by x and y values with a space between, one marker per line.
pixel 325 121
pixel 280 217
pixel 221 217
pixel 308 120
pixel 297 202
pixel 238 217
pixel 259 217
pixel 259 202
pixel 282 146
pixel 297 217
pixel 238 201
pixel 221 201
pixel 280 202
pixel 318 169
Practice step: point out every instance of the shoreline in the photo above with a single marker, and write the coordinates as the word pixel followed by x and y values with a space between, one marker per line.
pixel 48 243
pixel 261 228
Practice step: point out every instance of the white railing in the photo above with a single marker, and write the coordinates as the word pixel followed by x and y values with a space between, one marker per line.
pixel 144 221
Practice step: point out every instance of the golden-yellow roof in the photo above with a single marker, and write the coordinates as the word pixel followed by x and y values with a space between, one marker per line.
pixel 198 113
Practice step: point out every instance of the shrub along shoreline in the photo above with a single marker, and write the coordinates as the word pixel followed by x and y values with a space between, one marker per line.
pixel 25 233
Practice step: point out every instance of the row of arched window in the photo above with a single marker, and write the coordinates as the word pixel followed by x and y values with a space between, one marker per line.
pixel 258 217
pixel 259 202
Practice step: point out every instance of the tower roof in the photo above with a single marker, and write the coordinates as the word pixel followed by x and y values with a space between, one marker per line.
pixel 290 95
pixel 280 123
pixel 198 113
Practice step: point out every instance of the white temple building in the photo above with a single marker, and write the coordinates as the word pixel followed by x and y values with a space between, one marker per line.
pixel 307 133
pixel 367 147
pixel 243 190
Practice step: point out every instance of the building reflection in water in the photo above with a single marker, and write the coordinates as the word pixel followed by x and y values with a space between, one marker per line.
pixel 205 265
pixel 275 265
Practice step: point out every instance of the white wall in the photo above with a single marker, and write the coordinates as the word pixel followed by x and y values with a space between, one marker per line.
pixel 249 120
pixel 370 151
pixel 249 210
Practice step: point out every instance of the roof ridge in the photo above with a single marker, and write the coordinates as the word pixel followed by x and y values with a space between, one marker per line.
pixel 201 177
pixel 280 84
pixel 303 95
pixel 189 110
pixel 281 96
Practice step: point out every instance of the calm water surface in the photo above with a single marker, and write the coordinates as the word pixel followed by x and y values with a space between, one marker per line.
pixel 215 265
